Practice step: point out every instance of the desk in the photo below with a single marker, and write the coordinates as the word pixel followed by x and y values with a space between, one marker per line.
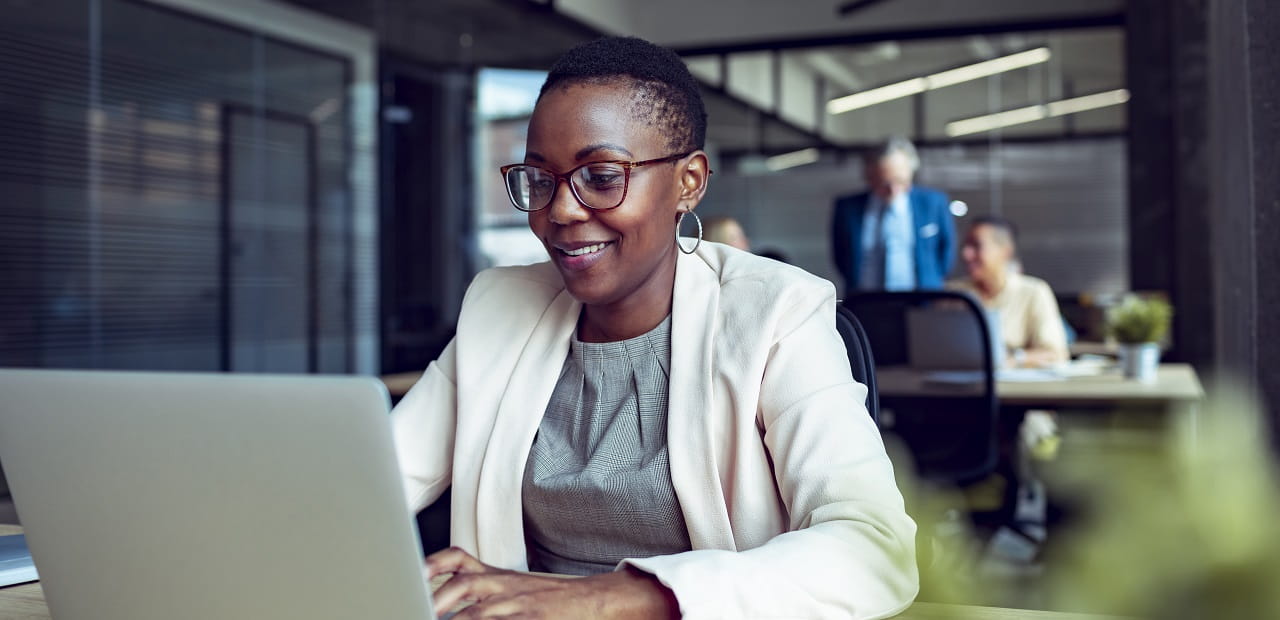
pixel 21 602
pixel 26 602
pixel 1175 394
pixel 1174 384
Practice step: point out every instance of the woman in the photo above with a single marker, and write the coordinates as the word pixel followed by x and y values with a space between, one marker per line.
pixel 680 426
pixel 1030 323
pixel 728 231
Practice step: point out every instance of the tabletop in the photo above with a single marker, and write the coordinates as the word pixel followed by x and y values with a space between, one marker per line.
pixel 26 602
pixel 1174 383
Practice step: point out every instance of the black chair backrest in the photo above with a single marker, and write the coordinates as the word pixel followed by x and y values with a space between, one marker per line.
pixel 952 436
pixel 861 361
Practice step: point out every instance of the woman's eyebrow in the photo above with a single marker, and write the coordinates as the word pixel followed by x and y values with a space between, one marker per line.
pixel 603 146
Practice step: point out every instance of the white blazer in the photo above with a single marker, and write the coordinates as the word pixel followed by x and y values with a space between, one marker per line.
pixel 785 487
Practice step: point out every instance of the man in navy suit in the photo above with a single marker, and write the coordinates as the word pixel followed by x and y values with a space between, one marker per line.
pixel 894 236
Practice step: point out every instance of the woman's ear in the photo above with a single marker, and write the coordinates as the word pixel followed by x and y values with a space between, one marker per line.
pixel 694 173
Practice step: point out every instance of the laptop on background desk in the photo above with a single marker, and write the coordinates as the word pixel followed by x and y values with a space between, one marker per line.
pixel 155 496
pixel 948 339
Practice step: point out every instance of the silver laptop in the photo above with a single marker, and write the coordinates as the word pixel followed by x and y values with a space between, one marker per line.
pixel 156 496
pixel 943 337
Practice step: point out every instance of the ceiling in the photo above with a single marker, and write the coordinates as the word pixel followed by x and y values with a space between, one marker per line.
pixel 744 25
pixel 770 66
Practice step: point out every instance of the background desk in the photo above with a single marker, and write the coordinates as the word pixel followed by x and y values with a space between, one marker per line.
pixel 1174 396
pixel 1175 384
pixel 26 602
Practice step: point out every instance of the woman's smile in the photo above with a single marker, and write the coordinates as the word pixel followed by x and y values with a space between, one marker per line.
pixel 580 256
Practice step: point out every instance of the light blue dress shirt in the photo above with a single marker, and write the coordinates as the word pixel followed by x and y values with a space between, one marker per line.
pixel 888 246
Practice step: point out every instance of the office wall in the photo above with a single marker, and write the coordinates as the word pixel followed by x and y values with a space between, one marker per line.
pixel 179 193
pixel 1067 197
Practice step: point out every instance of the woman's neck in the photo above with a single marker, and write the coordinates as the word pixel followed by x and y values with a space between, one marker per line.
pixel 614 330
pixel 635 314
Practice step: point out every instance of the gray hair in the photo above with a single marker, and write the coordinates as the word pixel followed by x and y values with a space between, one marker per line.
pixel 895 144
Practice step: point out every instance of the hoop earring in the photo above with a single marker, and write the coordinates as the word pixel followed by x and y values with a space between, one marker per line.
pixel 697 220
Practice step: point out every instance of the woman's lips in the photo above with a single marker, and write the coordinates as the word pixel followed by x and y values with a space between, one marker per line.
pixel 582 257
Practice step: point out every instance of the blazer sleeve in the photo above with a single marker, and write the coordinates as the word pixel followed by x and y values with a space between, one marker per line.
pixel 1044 323
pixel 423 425
pixel 850 551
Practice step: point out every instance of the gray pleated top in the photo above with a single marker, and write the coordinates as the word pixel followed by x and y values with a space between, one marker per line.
pixel 597 485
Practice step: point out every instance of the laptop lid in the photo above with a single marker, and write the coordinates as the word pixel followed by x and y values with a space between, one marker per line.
pixel 154 496
pixel 947 337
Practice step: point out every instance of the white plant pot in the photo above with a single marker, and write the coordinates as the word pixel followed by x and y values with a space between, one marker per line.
pixel 1140 361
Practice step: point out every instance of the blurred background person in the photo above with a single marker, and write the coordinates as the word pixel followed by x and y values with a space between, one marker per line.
pixel 726 230
pixel 894 236
pixel 1031 325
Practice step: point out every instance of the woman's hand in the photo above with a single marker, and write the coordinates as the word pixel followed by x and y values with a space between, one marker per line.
pixel 494 592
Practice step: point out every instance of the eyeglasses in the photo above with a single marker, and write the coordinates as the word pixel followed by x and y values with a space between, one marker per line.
pixel 597 185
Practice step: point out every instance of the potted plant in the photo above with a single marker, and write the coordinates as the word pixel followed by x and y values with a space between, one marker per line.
pixel 1139 325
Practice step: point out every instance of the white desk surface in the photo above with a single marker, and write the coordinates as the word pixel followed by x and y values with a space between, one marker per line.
pixel 1174 383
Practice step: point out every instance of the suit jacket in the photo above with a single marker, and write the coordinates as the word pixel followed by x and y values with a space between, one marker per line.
pixel 782 479
pixel 934 244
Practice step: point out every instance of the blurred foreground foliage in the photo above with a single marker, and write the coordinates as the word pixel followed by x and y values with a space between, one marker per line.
pixel 1196 536
pixel 1151 533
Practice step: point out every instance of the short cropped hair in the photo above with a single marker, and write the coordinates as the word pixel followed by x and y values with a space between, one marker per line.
pixel 1000 224
pixel 665 92
pixel 895 144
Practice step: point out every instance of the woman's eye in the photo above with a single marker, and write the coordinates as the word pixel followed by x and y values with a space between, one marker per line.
pixel 603 178
pixel 541 182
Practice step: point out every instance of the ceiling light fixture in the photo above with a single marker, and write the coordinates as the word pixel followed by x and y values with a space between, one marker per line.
pixel 988 122
pixel 913 86
pixel 792 159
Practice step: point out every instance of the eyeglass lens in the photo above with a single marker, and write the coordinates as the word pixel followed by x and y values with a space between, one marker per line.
pixel 598 186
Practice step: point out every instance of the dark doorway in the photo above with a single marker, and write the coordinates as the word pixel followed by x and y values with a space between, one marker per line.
pixel 427 243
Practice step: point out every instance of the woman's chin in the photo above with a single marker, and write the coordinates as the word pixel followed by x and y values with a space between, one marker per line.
pixel 588 291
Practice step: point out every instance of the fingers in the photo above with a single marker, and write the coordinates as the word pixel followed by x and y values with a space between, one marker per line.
pixel 504 610
pixel 501 593
pixel 467 587
pixel 453 560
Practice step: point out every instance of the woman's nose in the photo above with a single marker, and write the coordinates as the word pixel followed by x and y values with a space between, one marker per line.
pixel 565 208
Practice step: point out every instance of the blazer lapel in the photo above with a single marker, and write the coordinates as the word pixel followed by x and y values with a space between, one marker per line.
pixel 499 508
pixel 691 428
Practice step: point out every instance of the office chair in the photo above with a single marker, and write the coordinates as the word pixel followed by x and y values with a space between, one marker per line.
pixel 861 361
pixel 951 433
pixel 948 427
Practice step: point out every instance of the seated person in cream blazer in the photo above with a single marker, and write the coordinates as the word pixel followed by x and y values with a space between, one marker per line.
pixel 673 419
pixel 1031 325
